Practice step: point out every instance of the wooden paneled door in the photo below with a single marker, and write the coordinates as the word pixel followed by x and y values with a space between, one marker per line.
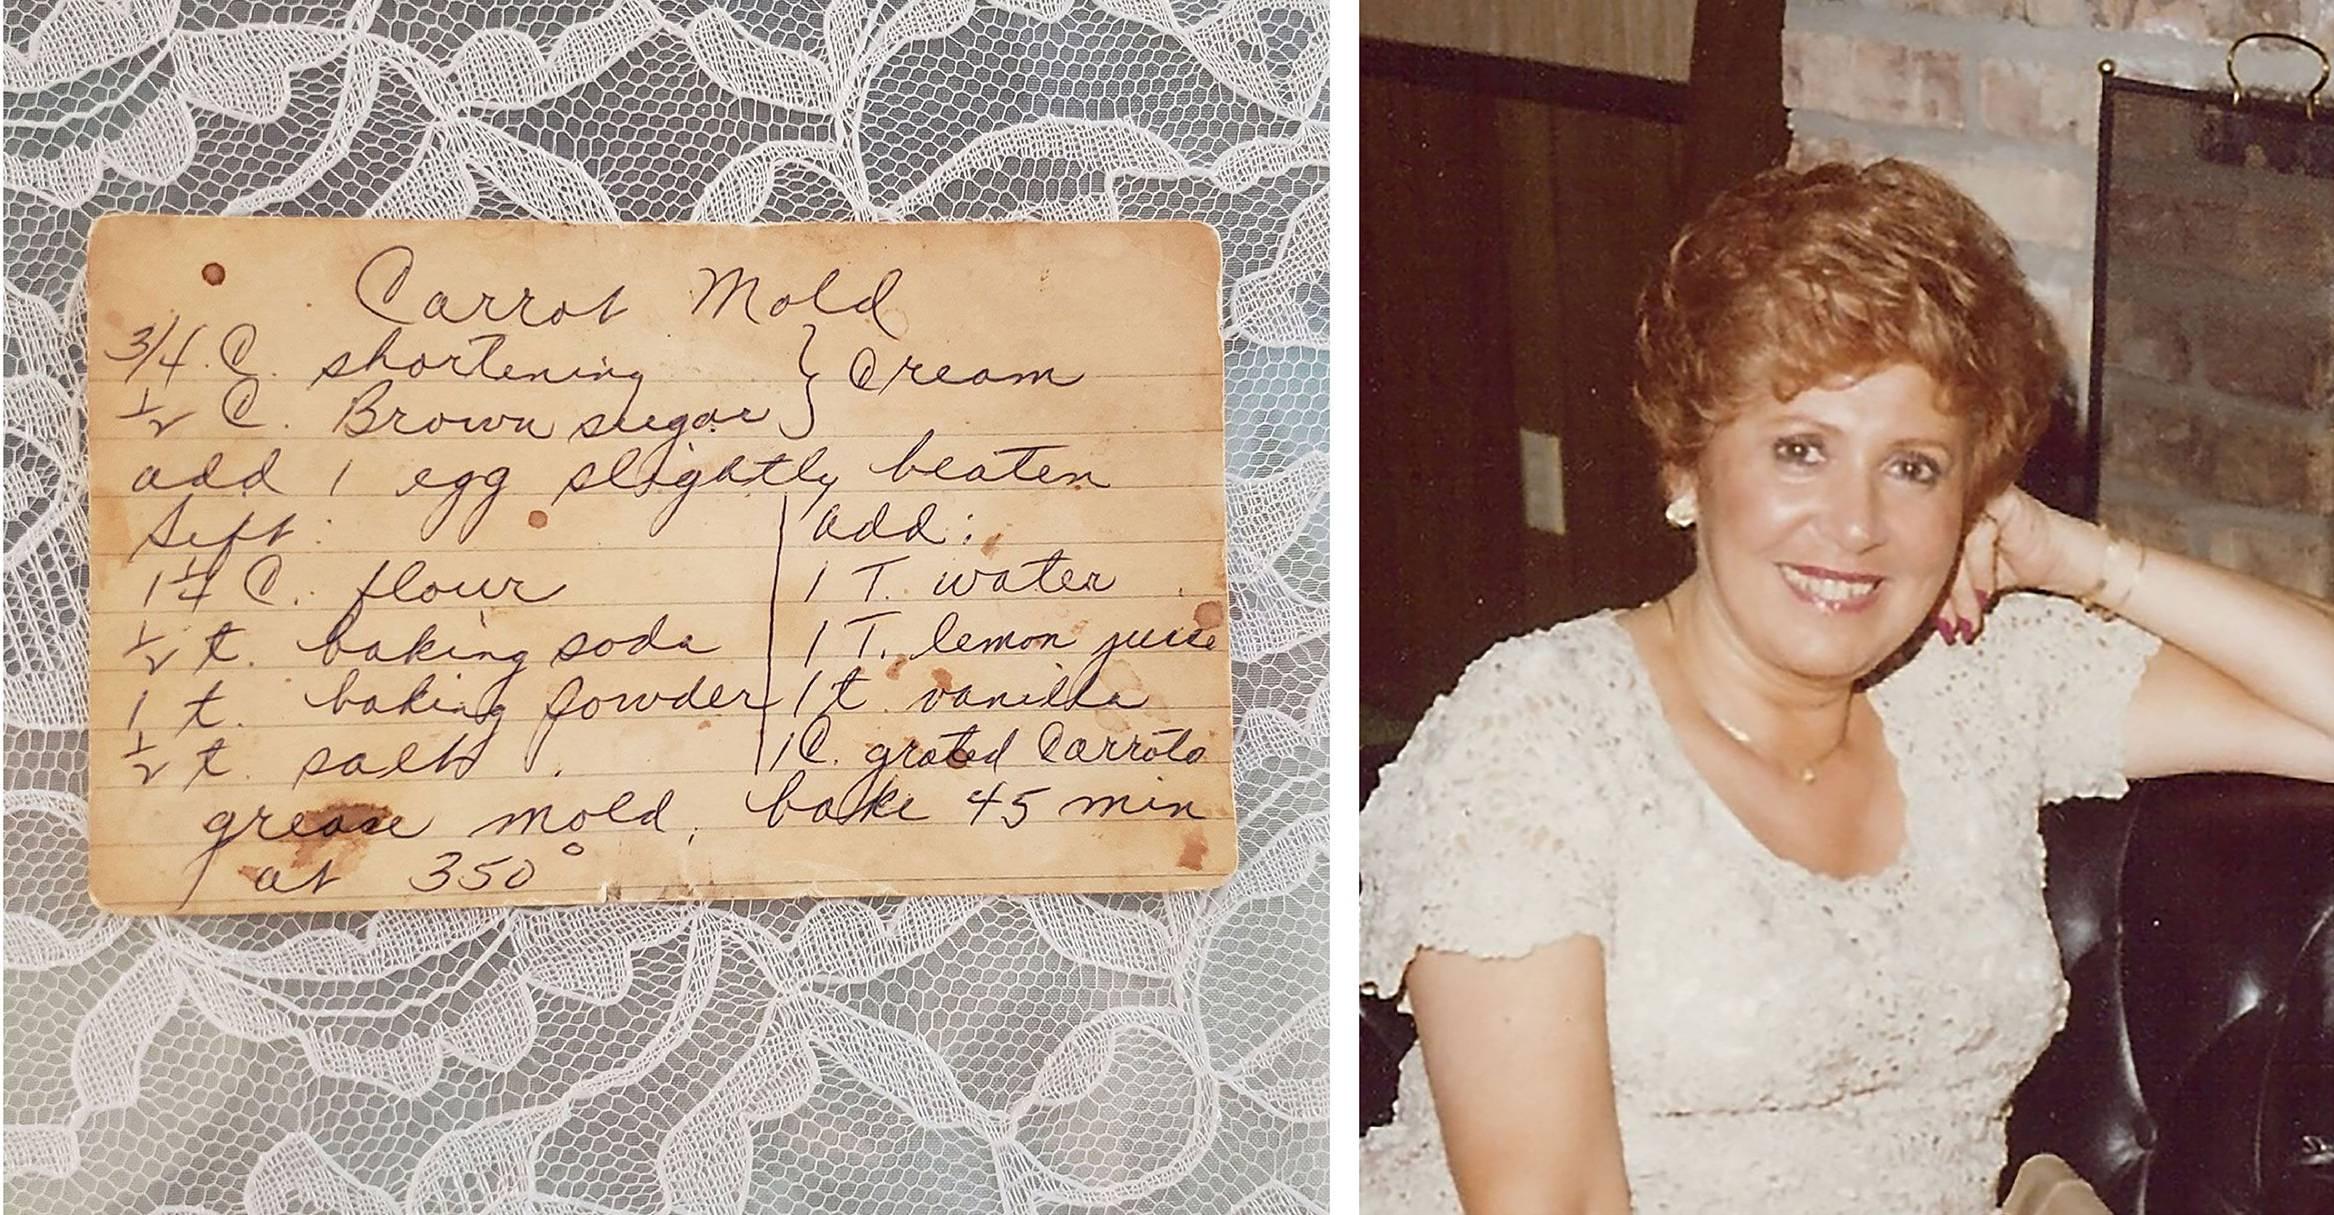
pixel 1511 211
pixel 1441 501
pixel 1507 226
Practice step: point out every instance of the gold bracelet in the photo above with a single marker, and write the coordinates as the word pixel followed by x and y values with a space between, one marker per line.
pixel 2090 598
pixel 2139 563
pixel 2120 564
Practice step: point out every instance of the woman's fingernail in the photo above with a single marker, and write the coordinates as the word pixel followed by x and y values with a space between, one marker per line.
pixel 1968 631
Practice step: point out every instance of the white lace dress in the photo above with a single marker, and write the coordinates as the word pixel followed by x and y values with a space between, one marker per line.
pixel 1782 1041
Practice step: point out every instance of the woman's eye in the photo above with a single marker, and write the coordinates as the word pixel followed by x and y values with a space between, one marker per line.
pixel 1920 470
pixel 1798 451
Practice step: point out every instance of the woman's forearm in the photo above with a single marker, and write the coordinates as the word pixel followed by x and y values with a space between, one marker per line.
pixel 2278 644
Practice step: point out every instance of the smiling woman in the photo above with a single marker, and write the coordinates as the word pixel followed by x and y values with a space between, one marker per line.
pixel 1732 900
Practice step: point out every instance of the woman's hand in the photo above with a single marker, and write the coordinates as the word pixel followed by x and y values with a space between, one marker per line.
pixel 2239 684
pixel 2017 543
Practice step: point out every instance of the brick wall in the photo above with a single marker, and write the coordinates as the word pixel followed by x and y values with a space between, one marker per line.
pixel 2220 441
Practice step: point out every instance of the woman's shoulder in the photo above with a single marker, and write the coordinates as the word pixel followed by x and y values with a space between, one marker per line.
pixel 1579 664
pixel 1490 834
pixel 2034 640
pixel 2041 694
pixel 1529 707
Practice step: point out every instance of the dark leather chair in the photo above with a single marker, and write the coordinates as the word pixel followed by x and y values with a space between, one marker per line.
pixel 2195 1075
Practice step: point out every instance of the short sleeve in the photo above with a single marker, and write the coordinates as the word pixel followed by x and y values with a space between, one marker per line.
pixel 2066 679
pixel 1486 835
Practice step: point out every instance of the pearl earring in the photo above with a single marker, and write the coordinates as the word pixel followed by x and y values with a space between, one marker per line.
pixel 1683 510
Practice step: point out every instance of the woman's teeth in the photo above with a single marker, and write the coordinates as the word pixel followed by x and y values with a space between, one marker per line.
pixel 1834 592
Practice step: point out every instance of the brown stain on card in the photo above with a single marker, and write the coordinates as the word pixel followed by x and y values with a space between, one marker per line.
pixel 350 837
pixel 536 518
pixel 304 852
pixel 214 274
pixel 1195 851
pixel 897 665
pixel 1208 615
pixel 943 679
pixel 989 546
pixel 109 524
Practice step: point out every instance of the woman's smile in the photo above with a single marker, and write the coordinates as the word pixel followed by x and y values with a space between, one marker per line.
pixel 1832 590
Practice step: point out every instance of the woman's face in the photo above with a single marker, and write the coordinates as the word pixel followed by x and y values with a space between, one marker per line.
pixel 1831 521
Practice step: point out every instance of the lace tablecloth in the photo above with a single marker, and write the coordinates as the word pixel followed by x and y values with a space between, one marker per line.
pixel 1134 1053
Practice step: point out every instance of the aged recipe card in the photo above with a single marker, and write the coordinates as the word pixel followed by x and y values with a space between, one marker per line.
pixel 445 564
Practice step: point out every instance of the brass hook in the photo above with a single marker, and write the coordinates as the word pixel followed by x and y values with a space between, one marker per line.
pixel 2309 99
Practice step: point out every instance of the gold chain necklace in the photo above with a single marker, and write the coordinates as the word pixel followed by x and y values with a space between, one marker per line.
pixel 1742 737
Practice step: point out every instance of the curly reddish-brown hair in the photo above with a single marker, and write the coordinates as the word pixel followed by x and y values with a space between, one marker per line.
pixel 1797 278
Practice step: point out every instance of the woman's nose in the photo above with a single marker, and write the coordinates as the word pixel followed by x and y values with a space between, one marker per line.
pixel 1854 515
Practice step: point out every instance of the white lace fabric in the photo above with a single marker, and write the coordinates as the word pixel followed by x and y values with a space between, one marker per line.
pixel 1783 1042
pixel 1163 1053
